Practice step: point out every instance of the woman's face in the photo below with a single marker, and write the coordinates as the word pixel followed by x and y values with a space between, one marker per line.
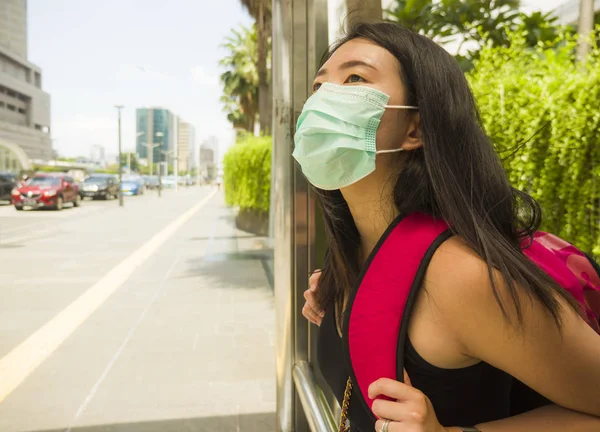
pixel 363 63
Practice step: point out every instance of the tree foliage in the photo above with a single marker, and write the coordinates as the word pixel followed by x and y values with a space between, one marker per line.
pixel 260 10
pixel 133 161
pixel 247 173
pixel 473 23
pixel 541 110
pixel 240 79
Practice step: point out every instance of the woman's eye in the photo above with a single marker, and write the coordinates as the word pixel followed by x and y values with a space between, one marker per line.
pixel 316 86
pixel 355 78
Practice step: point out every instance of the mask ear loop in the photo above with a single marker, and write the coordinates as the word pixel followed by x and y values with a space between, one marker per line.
pixel 396 107
pixel 390 151
pixel 402 107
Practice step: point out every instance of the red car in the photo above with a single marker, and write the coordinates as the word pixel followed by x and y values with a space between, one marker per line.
pixel 47 191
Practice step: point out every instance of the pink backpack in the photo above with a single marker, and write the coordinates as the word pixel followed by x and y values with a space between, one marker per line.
pixel 374 330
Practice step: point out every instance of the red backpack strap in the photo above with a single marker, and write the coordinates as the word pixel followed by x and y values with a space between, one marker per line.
pixel 378 310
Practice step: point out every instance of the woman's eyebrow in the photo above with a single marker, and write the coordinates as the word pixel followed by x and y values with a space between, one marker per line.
pixel 347 65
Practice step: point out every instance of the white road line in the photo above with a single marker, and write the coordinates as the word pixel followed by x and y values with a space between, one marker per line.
pixel 18 364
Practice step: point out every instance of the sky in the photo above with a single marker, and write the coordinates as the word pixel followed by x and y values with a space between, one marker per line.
pixel 544 5
pixel 137 53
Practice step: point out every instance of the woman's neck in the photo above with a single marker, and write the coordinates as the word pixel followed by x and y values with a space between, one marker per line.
pixel 373 210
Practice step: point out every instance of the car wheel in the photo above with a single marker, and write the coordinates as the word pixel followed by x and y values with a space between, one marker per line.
pixel 19 208
pixel 77 201
pixel 59 204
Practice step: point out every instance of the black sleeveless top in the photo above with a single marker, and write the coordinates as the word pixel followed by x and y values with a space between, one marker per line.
pixel 460 397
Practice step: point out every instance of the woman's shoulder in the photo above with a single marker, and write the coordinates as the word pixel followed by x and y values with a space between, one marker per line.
pixel 455 262
pixel 457 277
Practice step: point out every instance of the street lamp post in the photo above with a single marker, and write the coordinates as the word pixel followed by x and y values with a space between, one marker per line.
pixel 173 154
pixel 159 135
pixel 119 108
pixel 176 169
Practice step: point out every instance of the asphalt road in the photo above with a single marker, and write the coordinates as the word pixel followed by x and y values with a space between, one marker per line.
pixel 157 316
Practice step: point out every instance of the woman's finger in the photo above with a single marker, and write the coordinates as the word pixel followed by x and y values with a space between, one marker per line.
pixel 394 390
pixel 310 298
pixel 407 378
pixel 308 313
pixel 385 409
pixel 314 280
pixel 393 426
pixel 311 315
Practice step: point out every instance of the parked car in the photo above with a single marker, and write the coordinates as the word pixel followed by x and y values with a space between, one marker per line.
pixel 168 182
pixel 8 181
pixel 133 185
pixel 151 182
pixel 47 191
pixel 105 186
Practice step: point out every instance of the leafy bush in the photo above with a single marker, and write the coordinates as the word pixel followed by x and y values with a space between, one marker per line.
pixel 542 111
pixel 49 169
pixel 247 174
pixel 113 170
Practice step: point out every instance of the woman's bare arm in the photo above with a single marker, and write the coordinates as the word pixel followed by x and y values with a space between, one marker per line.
pixel 563 367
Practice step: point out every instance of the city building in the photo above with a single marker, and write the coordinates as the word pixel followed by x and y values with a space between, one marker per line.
pixel 98 154
pixel 568 13
pixel 157 129
pixel 24 106
pixel 207 165
pixel 212 143
pixel 193 154
pixel 185 146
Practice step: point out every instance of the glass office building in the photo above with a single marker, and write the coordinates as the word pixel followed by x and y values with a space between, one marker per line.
pixel 150 124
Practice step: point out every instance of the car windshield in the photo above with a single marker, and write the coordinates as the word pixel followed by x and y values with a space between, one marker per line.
pixel 44 181
pixel 96 180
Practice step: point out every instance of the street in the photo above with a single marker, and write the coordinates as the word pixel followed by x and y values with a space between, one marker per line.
pixel 157 316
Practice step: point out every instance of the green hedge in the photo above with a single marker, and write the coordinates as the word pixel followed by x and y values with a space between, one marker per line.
pixel 542 111
pixel 107 171
pixel 247 174
pixel 49 169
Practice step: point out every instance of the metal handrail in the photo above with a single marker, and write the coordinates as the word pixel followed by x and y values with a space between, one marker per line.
pixel 318 413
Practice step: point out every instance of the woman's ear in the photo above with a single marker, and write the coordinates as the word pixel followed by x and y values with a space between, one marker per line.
pixel 413 140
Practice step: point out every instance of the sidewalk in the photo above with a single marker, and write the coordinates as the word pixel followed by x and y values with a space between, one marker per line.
pixel 187 344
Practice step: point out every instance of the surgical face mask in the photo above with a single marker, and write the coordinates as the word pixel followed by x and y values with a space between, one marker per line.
pixel 335 135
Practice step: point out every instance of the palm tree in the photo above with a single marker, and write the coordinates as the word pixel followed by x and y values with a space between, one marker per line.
pixel 260 10
pixel 240 80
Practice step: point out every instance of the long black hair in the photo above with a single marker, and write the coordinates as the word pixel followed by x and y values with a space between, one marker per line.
pixel 456 176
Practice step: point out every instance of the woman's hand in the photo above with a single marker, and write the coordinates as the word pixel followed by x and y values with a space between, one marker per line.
pixel 311 310
pixel 410 410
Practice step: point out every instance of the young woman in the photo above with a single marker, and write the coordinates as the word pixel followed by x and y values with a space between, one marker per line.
pixel 493 343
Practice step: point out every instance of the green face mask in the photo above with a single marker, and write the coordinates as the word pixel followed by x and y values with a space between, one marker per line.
pixel 335 134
